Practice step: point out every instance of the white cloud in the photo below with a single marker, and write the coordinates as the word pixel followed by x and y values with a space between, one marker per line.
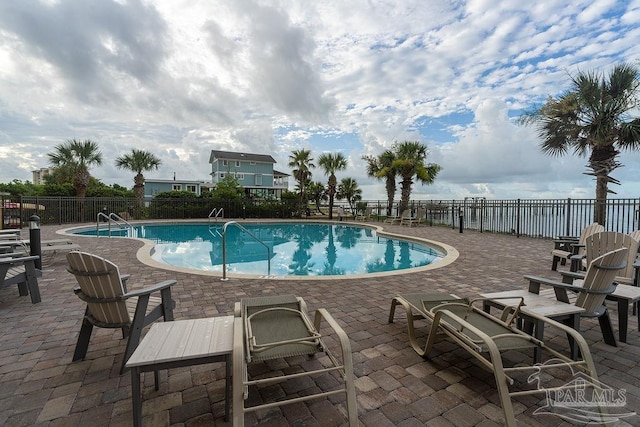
pixel 180 78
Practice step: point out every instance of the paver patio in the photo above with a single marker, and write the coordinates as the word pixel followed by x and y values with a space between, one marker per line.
pixel 39 385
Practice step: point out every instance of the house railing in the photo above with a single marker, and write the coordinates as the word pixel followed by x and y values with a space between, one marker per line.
pixel 542 218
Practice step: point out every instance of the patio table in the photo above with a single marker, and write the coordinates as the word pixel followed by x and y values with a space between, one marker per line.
pixel 181 343
pixel 534 303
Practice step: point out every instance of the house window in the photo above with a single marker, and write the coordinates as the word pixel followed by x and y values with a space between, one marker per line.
pixel 240 176
pixel 221 175
pixel 237 163
pixel 252 163
pixel 224 163
pixel 176 187
pixel 258 179
pixel 191 188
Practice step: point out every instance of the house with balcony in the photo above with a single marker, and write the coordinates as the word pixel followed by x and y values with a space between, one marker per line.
pixel 254 172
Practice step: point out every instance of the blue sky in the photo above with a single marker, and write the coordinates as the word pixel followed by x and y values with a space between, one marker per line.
pixel 180 78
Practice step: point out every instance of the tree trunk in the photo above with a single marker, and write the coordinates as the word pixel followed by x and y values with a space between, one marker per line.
pixel 600 209
pixel 391 192
pixel 138 191
pixel 602 162
pixel 332 192
pixel 406 194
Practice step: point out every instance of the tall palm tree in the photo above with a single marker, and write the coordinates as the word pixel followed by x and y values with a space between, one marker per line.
pixel 75 157
pixel 592 116
pixel 410 162
pixel 332 163
pixel 138 161
pixel 348 189
pixel 381 168
pixel 301 163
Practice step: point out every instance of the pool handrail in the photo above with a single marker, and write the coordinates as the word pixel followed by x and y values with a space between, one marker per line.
pixel 215 212
pixel 224 247
pixel 116 219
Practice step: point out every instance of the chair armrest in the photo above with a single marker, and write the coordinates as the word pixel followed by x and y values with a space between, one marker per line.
pixel 564 242
pixel 535 282
pixel 17 258
pixel 151 289
pixel 345 344
pixel 575 247
pixel 566 239
pixel 569 276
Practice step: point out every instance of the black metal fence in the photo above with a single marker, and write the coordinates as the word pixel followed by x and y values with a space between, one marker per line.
pixel 544 218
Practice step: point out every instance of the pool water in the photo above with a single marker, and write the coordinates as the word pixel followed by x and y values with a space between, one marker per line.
pixel 294 249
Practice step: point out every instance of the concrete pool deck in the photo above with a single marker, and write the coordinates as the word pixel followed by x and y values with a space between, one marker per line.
pixel 39 385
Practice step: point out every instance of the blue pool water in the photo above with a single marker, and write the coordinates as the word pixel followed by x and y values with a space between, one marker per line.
pixel 295 249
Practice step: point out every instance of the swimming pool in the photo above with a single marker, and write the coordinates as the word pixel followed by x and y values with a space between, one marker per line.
pixel 293 249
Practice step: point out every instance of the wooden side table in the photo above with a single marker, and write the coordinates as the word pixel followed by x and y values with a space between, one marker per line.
pixel 181 343
pixel 534 303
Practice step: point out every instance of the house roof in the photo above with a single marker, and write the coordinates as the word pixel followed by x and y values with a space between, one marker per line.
pixel 278 173
pixel 231 155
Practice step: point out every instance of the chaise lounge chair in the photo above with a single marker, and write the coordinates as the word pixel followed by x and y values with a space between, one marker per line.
pixel 420 216
pixel 485 337
pixel 398 219
pixel 277 327
pixel 366 215
pixel 110 305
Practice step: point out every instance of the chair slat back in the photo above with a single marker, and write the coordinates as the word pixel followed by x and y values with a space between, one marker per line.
pixel 632 242
pixel 600 274
pixel 600 243
pixel 586 232
pixel 99 278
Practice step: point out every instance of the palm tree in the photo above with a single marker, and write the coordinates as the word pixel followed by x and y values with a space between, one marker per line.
pixel 317 193
pixel 301 163
pixel 410 162
pixel 138 161
pixel 380 167
pixel 332 163
pixel 74 158
pixel 592 116
pixel 348 189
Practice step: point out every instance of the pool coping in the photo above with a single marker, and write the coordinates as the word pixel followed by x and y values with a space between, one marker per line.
pixel 144 254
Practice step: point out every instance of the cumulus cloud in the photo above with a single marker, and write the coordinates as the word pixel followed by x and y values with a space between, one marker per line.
pixel 179 79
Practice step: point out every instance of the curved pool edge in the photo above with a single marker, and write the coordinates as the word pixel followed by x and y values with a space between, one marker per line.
pixel 144 254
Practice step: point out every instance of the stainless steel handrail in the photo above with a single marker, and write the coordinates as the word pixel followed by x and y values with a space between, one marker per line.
pixel 224 248
pixel 215 212
pixel 112 217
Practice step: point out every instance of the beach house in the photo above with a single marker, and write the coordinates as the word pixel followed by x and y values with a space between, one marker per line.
pixel 254 172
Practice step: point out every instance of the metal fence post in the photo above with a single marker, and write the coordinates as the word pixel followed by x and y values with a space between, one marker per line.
pixel 518 218
pixel 567 231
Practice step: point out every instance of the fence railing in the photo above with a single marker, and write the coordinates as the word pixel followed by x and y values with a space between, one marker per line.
pixel 544 218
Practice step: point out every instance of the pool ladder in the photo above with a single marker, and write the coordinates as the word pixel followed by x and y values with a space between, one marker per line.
pixel 224 248
pixel 115 218
pixel 215 213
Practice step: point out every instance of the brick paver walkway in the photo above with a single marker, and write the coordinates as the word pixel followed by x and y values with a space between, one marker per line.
pixel 39 385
